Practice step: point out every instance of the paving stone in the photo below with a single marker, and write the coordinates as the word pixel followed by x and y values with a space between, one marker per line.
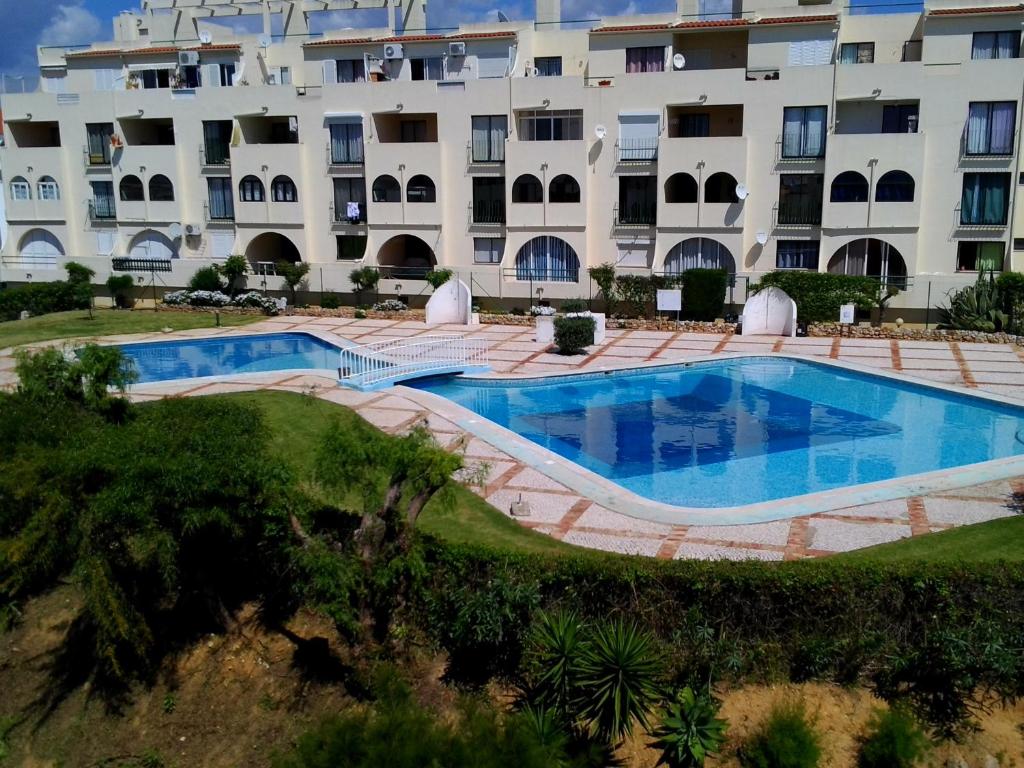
pixel 839 536
pixel 691 551
pixel 385 419
pixel 964 511
pixel 533 480
pixel 597 516
pixel 892 510
pixel 624 545
pixel 544 507
pixel 758 533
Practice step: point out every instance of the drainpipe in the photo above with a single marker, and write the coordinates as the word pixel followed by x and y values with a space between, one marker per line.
pixel 872 164
pixel 700 187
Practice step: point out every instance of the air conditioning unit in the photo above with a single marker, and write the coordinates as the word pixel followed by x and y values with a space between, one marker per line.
pixel 394 51
pixel 192 230
pixel 456 49
pixel 188 59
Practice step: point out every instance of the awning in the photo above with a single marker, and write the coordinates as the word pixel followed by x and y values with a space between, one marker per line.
pixel 344 116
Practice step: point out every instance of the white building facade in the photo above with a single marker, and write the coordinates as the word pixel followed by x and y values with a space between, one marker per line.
pixel 752 135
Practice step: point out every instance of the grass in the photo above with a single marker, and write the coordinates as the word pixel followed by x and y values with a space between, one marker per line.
pixel 106 322
pixel 995 540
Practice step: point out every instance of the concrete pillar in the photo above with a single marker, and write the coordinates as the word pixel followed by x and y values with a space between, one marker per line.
pixel 549 13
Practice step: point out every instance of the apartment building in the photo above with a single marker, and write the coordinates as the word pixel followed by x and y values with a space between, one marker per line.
pixel 748 134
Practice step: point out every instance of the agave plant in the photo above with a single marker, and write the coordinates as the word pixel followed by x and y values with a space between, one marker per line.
pixel 690 731
pixel 975 307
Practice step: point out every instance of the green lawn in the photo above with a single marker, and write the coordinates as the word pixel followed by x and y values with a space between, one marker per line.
pixel 107 322
pixel 996 540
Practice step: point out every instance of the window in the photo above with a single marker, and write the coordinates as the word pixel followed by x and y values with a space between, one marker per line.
pixel 996 45
pixel 351 247
pixel 351 70
pixel 282 190
pixel 899 118
pixel 427 68
pixel 1018 243
pixel 980 257
pixel 548 66
pixel 638 136
pixel 699 253
pixel 155 78
pixel 720 188
pixel 280 76
pixel 420 189
pixel 797 254
pixel 857 53
pixel 216 141
pixel 650 58
pixel 695 126
pixel 488 250
pixel 803 132
pixel 413 131
pixel 222 205
pixel 809 53
pixel 681 188
pixel 985 200
pixel 347 142
pixel 489 134
pixel 250 190
pixel 386 190
pixel 350 200
pixel 20 189
pixel 895 187
pixel 990 127
pixel 527 189
pixel 284 131
pixel 98 142
pixel 103 199
pixel 800 197
pixel 547 258
pixel 131 189
pixel 227 74
pixel 488 199
pixel 161 189
pixel 564 189
pixel 849 187
pixel 638 200
pixel 47 189
pixel 551 125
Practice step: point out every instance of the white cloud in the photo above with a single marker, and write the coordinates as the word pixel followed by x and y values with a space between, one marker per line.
pixel 69 25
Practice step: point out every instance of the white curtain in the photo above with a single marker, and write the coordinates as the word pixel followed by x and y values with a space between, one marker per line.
pixel 547 258
pixel 699 253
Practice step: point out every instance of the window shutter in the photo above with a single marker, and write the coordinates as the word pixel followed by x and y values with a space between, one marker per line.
pixel 104 243
pixel 330 72
pixel 491 65
pixel 211 75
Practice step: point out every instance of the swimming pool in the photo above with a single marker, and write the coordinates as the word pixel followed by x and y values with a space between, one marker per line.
pixel 228 355
pixel 740 431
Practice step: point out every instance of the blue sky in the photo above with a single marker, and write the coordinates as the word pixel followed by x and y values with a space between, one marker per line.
pixel 28 23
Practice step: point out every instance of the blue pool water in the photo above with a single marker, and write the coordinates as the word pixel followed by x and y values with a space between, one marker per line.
pixel 167 360
pixel 742 431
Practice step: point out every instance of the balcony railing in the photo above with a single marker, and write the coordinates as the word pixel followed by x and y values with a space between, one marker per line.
pixel 996 147
pixel 798 213
pixel 977 220
pixel 637 150
pixel 480 155
pixel 214 155
pixel 799 156
pixel 95 159
pixel 636 214
pixel 487 212
pixel 340 214
pixel 530 274
pixel 354 155
pixel 102 209
pixel 403 273
pixel 220 214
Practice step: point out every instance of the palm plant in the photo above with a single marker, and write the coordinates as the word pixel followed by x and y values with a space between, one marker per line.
pixel 555 649
pixel 690 731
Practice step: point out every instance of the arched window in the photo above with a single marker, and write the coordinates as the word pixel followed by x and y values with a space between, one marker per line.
pixel 282 190
pixel 547 258
pixel 386 190
pixel 871 257
pixel 680 188
pixel 527 189
pixel 720 188
pixel 895 187
pixel 20 189
pixel 47 188
pixel 150 244
pixel 40 247
pixel 420 189
pixel 564 189
pixel 160 189
pixel 849 187
pixel 131 189
pixel 699 253
pixel 250 190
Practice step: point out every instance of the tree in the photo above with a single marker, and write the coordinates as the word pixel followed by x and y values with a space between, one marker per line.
pixel 86 378
pixel 80 277
pixel 604 276
pixel 234 268
pixel 293 273
pixel 364 279
pixel 206 279
pixel 119 285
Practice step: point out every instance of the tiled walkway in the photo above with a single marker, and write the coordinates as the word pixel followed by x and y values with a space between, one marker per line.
pixel 559 512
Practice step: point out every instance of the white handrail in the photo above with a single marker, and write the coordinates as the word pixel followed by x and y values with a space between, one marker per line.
pixel 372 365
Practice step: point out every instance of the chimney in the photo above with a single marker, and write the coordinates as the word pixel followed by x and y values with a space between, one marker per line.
pixel 549 13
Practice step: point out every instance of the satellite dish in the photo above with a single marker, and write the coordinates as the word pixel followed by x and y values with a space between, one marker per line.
pixel 174 231
pixel 679 61
pixel 263 41
pixel 742 192
pixel 600 131
pixel 502 17
pixel 205 37
pixel 761 236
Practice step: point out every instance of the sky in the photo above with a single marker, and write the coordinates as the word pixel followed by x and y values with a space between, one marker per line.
pixel 28 23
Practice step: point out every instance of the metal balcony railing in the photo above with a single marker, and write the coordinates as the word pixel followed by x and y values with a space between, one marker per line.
pixel 218 213
pixel 798 213
pixel 990 146
pixel 340 214
pixel 102 209
pixel 476 154
pixel 487 212
pixel 979 219
pixel 636 214
pixel 403 273
pixel 346 154
pixel 530 274
pixel 797 155
pixel 96 159
pixel 637 150
pixel 214 155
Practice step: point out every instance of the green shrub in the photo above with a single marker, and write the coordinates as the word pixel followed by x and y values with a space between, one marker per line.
pixel 977 307
pixel 517 312
pixel 636 293
pixel 364 278
pixel 79 273
pixel 234 268
pixel 43 298
pixel 604 276
pixel 573 305
pixel 1011 290
pixel 359 314
pixel 438 277
pixel 330 300
pixel 819 295
pixel 787 739
pixel 704 294
pixel 573 334
pixel 690 730
pixel 893 740
pixel 206 279
pixel 119 286
pixel 293 273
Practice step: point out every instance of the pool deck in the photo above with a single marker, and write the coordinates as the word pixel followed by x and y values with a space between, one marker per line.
pixel 560 512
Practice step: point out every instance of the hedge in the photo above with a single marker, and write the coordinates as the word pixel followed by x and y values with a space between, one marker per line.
pixel 819 295
pixel 43 298
pixel 704 294
pixel 573 334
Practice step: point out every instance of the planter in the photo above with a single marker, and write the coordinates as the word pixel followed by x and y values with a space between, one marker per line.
pixel 545 333
pixel 599 323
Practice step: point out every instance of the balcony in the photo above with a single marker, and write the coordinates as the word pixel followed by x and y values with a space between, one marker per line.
pixel 487 212
pixel 215 156
pixel 635 214
pixel 900 81
pixel 217 215
pixel 339 214
pixel 350 157
pixel 797 213
pixel 102 210
pixel 93 160
pixel 637 150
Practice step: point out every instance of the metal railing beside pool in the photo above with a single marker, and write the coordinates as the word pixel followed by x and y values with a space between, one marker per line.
pixel 375 365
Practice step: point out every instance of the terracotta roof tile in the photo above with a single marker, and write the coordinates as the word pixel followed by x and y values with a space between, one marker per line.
pixel 408 39
pixel 977 9
pixel 798 19
pixel 713 23
pixel 150 51
pixel 632 28
pixel 215 47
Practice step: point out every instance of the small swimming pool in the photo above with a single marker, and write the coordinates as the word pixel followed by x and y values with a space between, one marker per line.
pixel 228 355
pixel 742 431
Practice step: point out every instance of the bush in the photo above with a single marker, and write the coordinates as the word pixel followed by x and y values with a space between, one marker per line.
pixel 364 278
pixel 330 300
pixel 389 305
pixel 119 286
pixel 43 298
pixel 542 310
pixel 359 314
pixel 704 294
pixel 819 295
pixel 977 307
pixel 573 334
pixel 79 273
pixel 573 305
pixel 636 293
pixel 604 276
pixel 197 298
pixel 206 279
pixel 1011 290
pixel 233 269
pixel 294 274
pixel 256 300
pixel 438 277
pixel 690 730
pixel 787 739
pixel 893 740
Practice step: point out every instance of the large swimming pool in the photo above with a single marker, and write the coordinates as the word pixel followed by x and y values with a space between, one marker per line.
pixel 746 430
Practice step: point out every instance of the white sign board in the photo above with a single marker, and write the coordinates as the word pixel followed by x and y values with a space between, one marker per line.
pixel 846 314
pixel 670 300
